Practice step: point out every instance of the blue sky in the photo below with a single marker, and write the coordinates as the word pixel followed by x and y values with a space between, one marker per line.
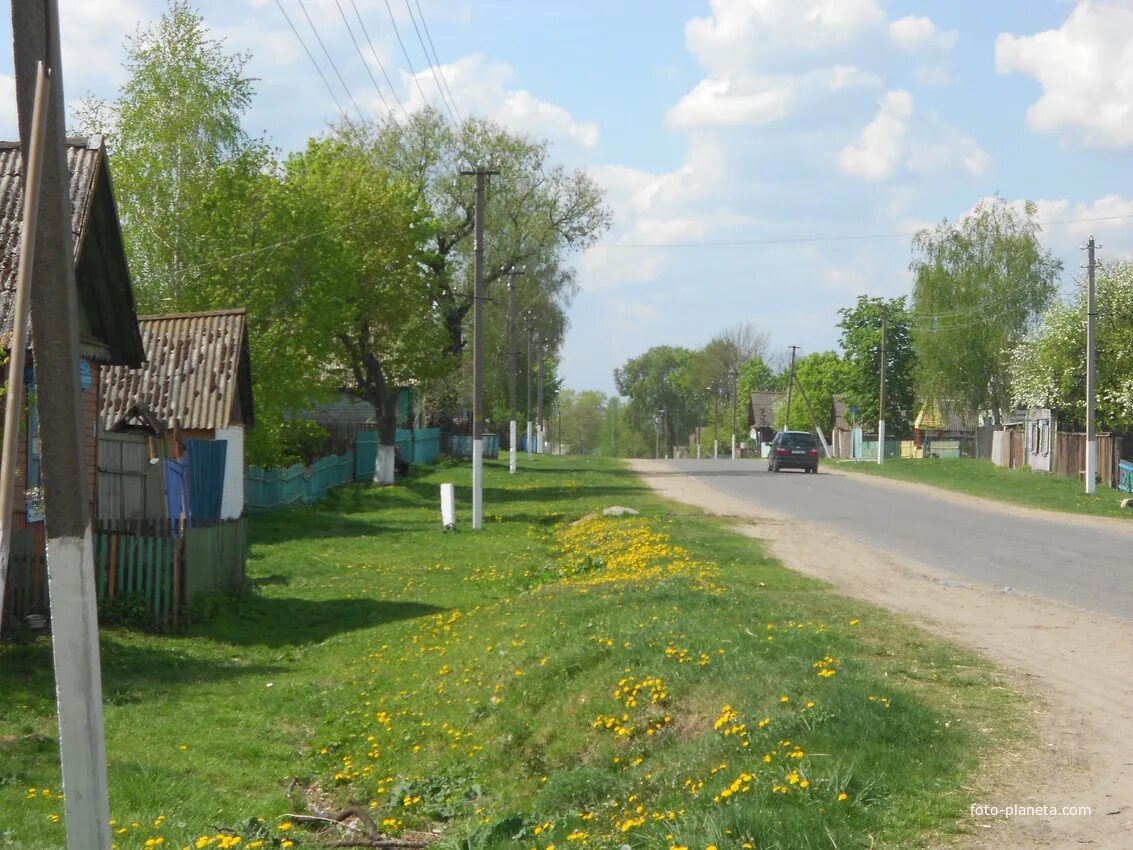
pixel 743 121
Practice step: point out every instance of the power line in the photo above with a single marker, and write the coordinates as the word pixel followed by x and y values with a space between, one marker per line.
pixel 334 67
pixel 310 56
pixel 796 240
pixel 378 59
pixel 405 53
pixel 434 64
pixel 362 56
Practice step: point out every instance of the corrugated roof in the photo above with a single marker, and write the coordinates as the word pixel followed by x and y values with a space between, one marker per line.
pixel 196 371
pixel 105 294
pixel 83 157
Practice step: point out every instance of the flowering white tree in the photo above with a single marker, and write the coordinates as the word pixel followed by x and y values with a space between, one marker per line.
pixel 1048 369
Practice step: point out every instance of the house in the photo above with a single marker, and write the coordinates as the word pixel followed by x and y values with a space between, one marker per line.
pixel 108 334
pixel 943 431
pixel 762 407
pixel 192 402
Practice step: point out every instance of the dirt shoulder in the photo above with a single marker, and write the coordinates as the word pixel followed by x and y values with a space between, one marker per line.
pixel 1077 664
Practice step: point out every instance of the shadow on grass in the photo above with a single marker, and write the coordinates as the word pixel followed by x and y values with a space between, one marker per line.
pixel 283 524
pixel 279 622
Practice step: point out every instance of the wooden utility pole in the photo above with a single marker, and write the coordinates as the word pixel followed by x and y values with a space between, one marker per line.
pixel 481 175
pixel 790 386
pixel 14 403
pixel 881 399
pixel 1091 374
pixel 70 555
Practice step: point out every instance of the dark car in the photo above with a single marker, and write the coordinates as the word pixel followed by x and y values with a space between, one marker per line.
pixel 793 450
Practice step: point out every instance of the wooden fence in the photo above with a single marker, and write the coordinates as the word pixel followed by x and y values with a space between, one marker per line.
pixel 1070 456
pixel 156 562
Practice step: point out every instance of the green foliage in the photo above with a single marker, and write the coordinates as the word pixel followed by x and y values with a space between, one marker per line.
pixel 302 441
pixel 822 375
pixel 581 415
pixel 663 398
pixel 861 347
pixel 980 285
pixel 127 610
pixel 1048 368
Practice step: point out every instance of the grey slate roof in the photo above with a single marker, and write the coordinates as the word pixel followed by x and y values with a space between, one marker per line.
pixel 103 278
pixel 197 371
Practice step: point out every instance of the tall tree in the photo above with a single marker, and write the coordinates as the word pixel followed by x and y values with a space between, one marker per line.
pixel 364 275
pixel 861 346
pixel 822 376
pixel 1048 368
pixel 662 395
pixel 175 122
pixel 980 285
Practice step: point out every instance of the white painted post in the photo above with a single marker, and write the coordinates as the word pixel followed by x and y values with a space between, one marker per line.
pixel 477 483
pixel 448 506
pixel 74 642
pixel 530 439
pixel 733 446
pixel 511 452
pixel 716 449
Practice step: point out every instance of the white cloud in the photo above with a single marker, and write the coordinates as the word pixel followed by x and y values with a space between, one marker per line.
pixel 486 88
pixel 915 34
pixel 739 31
pixel 882 143
pixel 750 101
pixel 1085 68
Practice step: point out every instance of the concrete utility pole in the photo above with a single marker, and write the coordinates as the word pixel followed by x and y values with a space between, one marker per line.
pixel 70 553
pixel 511 357
pixel 716 422
pixel 540 436
pixel 481 175
pixel 735 377
pixel 1091 373
pixel 881 401
pixel 14 404
pixel 530 347
pixel 790 385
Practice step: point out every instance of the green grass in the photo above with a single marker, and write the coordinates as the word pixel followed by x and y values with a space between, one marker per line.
pixel 467 680
pixel 976 477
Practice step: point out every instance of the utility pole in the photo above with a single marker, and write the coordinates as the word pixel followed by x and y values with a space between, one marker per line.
pixel 14 404
pixel 716 422
pixel 881 400
pixel 1091 374
pixel 530 345
pixel 70 553
pixel 511 357
pixel 539 429
pixel 790 385
pixel 481 175
pixel 735 377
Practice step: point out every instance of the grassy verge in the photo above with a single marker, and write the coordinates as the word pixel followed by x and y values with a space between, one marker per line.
pixel 1018 486
pixel 551 680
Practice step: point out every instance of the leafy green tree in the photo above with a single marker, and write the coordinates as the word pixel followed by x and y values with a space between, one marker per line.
pixel 174 125
pixel 580 416
pixel 362 275
pixel 861 346
pixel 616 439
pixel 662 395
pixel 981 283
pixel 1048 368
pixel 822 376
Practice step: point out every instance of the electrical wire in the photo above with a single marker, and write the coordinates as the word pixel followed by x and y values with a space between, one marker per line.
pixel 334 67
pixel 310 56
pixel 796 240
pixel 362 56
pixel 378 59
pixel 434 66
pixel 405 53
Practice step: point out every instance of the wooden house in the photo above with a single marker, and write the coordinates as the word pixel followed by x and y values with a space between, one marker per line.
pixel 190 404
pixel 108 331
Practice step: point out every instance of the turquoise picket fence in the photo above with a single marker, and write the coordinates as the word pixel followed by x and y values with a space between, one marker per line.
pixel 271 488
pixel 1125 476
pixel 418 445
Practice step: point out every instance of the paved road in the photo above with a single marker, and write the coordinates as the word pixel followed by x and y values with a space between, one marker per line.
pixel 1068 560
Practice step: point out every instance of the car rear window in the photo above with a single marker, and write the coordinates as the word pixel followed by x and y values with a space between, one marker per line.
pixel 797 441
